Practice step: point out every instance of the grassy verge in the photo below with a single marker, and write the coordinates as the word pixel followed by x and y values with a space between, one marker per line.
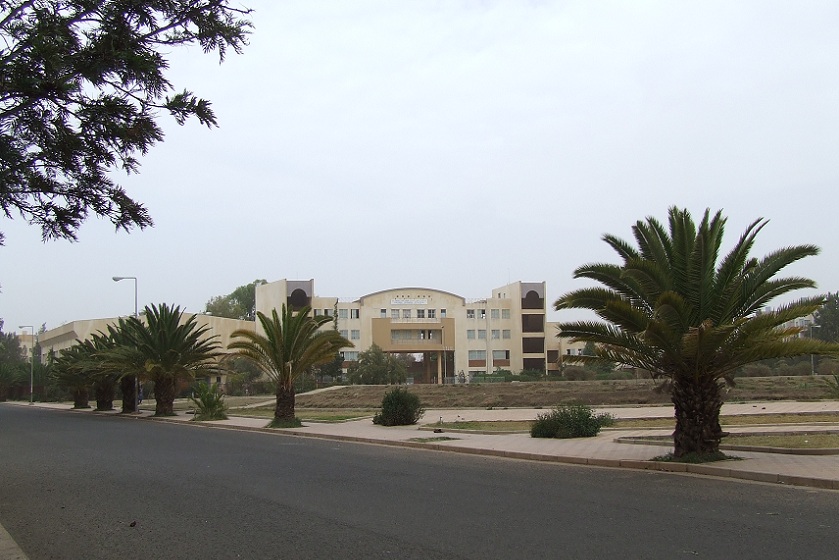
pixel 312 415
pixel 802 441
pixel 643 423
pixel 741 420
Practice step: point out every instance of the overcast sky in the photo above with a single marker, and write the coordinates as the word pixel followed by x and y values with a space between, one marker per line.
pixel 460 145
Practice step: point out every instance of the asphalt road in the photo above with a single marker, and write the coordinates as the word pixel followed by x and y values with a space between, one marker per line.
pixel 90 486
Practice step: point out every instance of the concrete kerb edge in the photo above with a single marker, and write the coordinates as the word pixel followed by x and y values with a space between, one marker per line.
pixel 9 549
pixel 660 466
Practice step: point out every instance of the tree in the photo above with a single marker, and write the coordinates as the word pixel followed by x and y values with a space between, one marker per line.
pixel 376 367
pixel 674 309
pixel 827 319
pixel 82 85
pixel 164 349
pixel 333 369
pixel 239 304
pixel 291 344
pixel 71 371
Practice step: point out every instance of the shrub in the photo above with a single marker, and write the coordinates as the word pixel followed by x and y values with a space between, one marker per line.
pixel 399 408
pixel 833 385
pixel 577 373
pixel 570 421
pixel 209 402
pixel 285 423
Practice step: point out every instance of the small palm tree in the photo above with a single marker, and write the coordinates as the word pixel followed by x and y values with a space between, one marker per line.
pixel 290 345
pixel 164 349
pixel 71 371
pixel 673 309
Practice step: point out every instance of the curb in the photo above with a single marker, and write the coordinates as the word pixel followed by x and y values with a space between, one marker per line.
pixel 9 550
pixel 684 468
pixel 635 464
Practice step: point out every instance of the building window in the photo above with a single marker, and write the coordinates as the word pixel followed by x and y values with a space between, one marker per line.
pixel 482 313
pixel 442 313
pixel 406 313
pixel 342 313
pixel 496 334
pixel 477 354
pixel 350 356
pixel 383 313
pixel 500 354
pixel 505 333
pixel 470 334
pixel 394 313
pixel 420 313
pixel 494 313
pixel 482 334
pixel 354 313
pixel 343 333
pixel 505 313
pixel 470 313
pixel 432 313
pixel 355 334
pixel 327 312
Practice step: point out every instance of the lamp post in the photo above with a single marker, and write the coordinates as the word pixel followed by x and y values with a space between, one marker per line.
pixel 136 316
pixel 31 359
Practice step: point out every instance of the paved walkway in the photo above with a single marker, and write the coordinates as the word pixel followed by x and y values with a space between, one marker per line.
pixel 817 471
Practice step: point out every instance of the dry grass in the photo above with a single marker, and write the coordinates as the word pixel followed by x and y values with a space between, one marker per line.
pixel 652 423
pixel 550 394
pixel 797 441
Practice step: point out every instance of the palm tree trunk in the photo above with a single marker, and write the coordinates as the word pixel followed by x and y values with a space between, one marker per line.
pixel 285 403
pixel 80 398
pixel 104 391
pixel 164 396
pixel 698 403
pixel 129 404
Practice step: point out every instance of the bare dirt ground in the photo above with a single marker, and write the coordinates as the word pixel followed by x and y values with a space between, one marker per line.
pixel 549 394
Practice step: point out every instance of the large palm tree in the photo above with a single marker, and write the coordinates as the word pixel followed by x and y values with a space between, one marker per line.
pixel 164 348
pixel 291 344
pixel 675 309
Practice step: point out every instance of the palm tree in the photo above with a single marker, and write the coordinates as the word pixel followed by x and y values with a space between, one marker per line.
pixel 71 371
pixel 164 349
pixel 290 345
pixel 673 309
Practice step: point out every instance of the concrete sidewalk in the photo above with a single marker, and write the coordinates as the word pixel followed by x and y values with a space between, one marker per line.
pixel 818 471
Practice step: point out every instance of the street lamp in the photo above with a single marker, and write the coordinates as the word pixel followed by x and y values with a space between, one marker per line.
pixel 31 359
pixel 136 316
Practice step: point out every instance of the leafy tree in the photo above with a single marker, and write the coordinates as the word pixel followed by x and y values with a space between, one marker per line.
pixel 13 365
pixel 291 344
pixel 333 369
pixel 164 349
pixel 376 367
pixel 82 85
pixel 239 304
pixel 674 309
pixel 827 319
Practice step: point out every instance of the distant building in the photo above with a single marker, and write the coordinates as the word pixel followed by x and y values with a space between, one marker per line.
pixel 451 337
pixel 454 338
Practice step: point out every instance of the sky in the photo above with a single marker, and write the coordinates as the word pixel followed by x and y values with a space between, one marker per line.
pixel 460 146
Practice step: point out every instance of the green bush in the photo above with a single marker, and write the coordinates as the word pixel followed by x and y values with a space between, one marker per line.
pixel 208 402
pixel 570 421
pixel 399 408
